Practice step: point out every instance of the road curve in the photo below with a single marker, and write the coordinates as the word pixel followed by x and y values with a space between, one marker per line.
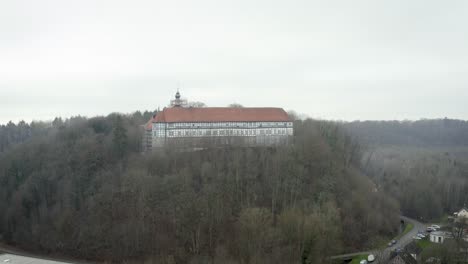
pixel 6 250
pixel 382 255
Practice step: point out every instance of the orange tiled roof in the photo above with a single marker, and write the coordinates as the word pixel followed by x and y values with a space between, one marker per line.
pixel 220 114
pixel 149 125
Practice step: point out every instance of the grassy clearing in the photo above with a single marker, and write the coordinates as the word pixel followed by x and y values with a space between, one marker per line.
pixel 423 243
pixel 357 259
pixel 381 243
pixel 440 220
pixel 443 219
pixel 377 242
pixel 408 227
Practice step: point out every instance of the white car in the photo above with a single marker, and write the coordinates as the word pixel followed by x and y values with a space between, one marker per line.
pixel 363 261
pixel 371 258
pixel 435 226
pixel 417 238
pixel 421 235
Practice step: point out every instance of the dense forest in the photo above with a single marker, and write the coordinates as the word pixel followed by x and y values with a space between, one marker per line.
pixel 423 164
pixel 422 133
pixel 82 187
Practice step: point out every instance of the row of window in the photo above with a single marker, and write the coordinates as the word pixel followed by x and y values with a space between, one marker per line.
pixel 159 133
pixel 228 132
pixel 229 124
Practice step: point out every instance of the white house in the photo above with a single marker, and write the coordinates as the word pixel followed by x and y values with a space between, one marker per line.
pixel 462 214
pixel 439 236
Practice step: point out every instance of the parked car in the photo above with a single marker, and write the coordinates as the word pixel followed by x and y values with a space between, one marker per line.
pixel 435 227
pixel 363 261
pixel 394 242
pixel 370 258
pixel 421 235
pixel 417 238
pixel 389 244
pixel 430 229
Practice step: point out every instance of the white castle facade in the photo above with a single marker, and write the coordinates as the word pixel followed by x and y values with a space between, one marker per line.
pixel 191 126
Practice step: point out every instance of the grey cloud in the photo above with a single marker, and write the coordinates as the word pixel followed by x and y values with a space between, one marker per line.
pixel 328 59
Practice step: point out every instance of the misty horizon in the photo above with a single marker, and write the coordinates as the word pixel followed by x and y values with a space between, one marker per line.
pixel 364 60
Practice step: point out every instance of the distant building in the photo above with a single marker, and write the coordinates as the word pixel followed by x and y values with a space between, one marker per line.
pixel 461 215
pixel 402 258
pixel 414 250
pixel 199 127
pixel 439 236
pixel 433 260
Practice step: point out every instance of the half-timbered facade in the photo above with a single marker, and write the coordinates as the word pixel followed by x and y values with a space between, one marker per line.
pixel 218 125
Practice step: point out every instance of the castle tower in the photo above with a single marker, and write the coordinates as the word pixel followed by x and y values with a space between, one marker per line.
pixel 178 101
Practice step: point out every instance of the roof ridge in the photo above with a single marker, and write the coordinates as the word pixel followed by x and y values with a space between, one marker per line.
pixel 222 114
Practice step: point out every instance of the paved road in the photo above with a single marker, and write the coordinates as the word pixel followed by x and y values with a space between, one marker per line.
pixel 15 259
pixel 14 255
pixel 382 256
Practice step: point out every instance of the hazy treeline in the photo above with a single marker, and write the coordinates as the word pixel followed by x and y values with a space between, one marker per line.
pixel 423 164
pixel 11 133
pixel 428 183
pixel 15 133
pixel 426 132
pixel 84 189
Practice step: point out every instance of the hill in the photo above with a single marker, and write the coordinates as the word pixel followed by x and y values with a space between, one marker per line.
pixel 423 133
pixel 423 164
pixel 83 188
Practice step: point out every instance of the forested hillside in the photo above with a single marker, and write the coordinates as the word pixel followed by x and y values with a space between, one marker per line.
pixel 84 189
pixel 422 133
pixel 12 134
pixel 423 164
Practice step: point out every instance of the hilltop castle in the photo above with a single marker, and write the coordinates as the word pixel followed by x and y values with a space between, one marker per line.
pixel 179 124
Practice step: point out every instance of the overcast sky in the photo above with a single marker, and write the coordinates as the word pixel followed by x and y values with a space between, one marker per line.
pixel 340 60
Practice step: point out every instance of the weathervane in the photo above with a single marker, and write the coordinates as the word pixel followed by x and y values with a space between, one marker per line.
pixel 178 101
